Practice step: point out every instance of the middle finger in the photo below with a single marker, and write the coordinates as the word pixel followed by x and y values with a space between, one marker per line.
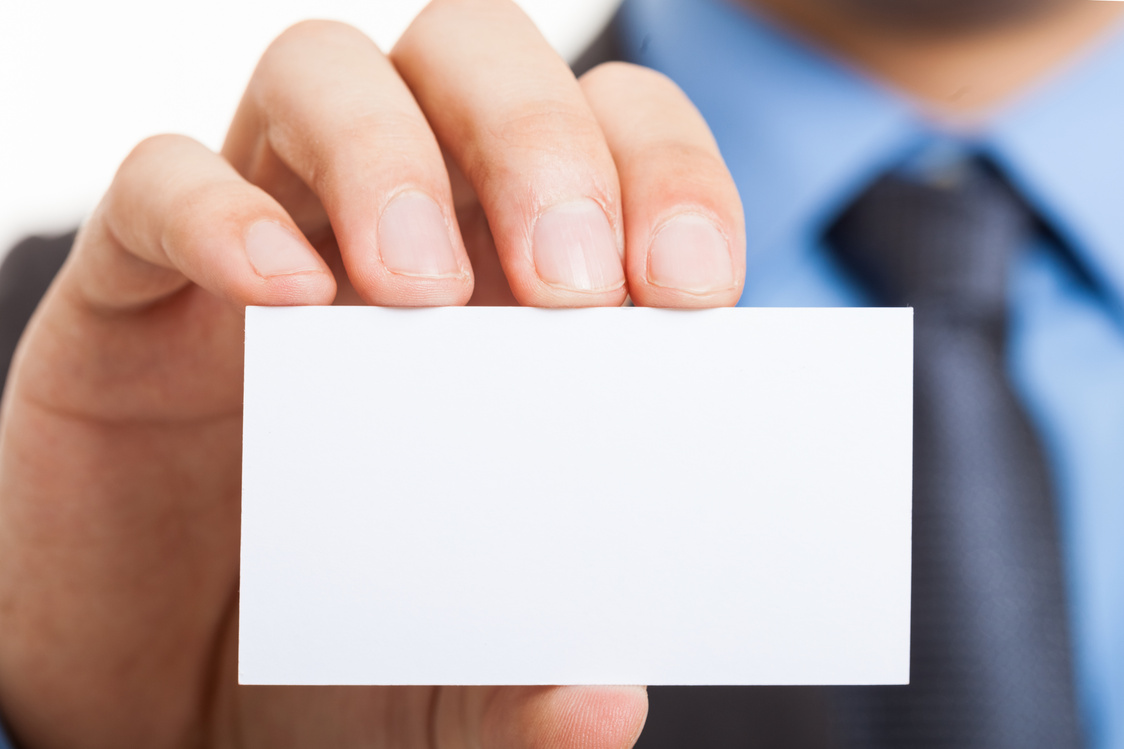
pixel 511 114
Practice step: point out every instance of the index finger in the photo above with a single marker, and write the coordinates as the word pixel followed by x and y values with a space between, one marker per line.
pixel 326 112
pixel 511 114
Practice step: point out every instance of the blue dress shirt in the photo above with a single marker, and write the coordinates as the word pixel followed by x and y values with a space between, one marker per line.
pixel 802 133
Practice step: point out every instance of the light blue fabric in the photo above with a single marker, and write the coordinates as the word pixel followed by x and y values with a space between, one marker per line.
pixel 5 743
pixel 802 132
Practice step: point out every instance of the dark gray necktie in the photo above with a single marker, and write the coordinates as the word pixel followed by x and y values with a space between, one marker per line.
pixel 990 663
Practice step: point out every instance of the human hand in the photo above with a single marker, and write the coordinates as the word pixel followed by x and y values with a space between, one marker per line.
pixel 467 165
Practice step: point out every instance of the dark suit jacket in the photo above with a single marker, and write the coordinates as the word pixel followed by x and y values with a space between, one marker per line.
pixel 680 717
pixel 25 274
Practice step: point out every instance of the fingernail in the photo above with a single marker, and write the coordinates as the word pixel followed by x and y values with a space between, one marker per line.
pixel 691 255
pixel 575 248
pixel 273 251
pixel 414 238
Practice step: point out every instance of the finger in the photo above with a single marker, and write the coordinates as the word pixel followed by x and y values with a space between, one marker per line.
pixel 547 717
pixel 566 718
pixel 511 114
pixel 684 226
pixel 327 108
pixel 177 213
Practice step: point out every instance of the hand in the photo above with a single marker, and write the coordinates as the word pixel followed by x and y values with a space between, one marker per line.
pixel 469 165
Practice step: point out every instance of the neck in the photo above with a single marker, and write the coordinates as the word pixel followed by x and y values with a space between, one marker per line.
pixel 959 75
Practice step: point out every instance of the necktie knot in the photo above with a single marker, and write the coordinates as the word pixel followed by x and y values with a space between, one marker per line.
pixel 944 248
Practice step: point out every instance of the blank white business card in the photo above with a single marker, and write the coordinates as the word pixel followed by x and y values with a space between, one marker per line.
pixel 599 496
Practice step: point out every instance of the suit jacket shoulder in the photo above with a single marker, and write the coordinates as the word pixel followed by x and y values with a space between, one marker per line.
pixel 25 274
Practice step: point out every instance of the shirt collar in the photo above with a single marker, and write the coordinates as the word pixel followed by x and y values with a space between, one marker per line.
pixel 802 131
pixel 1063 146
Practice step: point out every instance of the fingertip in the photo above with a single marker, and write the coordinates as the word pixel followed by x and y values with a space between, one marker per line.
pixel 414 257
pixel 544 295
pixel 571 717
pixel 575 259
pixel 575 249
pixel 288 270
pixel 407 292
pixel 615 716
pixel 690 263
pixel 414 240
pixel 684 221
pixel 274 251
pixel 309 288
pixel 376 285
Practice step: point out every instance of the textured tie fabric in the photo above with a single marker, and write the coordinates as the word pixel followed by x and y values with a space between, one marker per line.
pixel 990 661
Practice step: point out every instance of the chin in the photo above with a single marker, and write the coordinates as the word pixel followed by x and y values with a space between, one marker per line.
pixel 946 15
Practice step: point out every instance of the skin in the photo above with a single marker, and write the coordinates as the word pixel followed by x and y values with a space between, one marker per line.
pixel 960 60
pixel 940 16
pixel 121 426
pixel 120 430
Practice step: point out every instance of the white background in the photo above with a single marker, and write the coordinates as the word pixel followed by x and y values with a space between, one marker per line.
pixel 82 82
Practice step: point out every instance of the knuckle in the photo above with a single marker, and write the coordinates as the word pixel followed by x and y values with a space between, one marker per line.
pixel 139 169
pixel 684 159
pixel 471 6
pixel 539 145
pixel 316 31
pixel 689 172
pixel 315 34
pixel 681 171
pixel 200 203
pixel 549 126
pixel 153 148
pixel 627 76
pixel 365 144
pixel 439 17
pixel 381 133
pixel 206 200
